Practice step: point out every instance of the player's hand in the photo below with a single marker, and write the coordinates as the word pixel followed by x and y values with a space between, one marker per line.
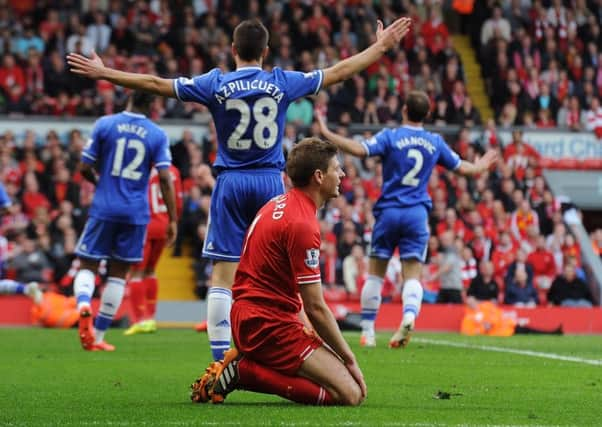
pixel 88 67
pixel 321 121
pixel 172 233
pixel 392 35
pixel 488 159
pixel 357 375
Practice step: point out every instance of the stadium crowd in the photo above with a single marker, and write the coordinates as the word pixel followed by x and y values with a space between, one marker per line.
pixel 547 62
pixel 504 229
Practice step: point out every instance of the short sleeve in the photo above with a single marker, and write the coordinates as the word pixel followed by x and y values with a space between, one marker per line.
pixel 92 148
pixel 300 84
pixel 377 145
pixel 5 201
pixel 304 253
pixel 447 157
pixel 162 154
pixel 197 89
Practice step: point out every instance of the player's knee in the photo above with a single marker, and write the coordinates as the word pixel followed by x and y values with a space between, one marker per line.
pixel 351 396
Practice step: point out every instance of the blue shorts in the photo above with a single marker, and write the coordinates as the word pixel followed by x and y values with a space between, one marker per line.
pixel 102 239
pixel 406 228
pixel 237 197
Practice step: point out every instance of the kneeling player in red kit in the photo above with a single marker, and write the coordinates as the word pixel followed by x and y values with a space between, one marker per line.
pixel 275 353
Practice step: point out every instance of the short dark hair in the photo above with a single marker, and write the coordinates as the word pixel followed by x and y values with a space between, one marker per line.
pixel 142 100
pixel 309 155
pixel 250 39
pixel 419 105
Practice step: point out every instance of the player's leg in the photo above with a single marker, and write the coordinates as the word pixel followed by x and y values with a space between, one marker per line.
pixel 371 300
pixel 137 293
pixel 384 239
pixel 91 248
pixel 412 249
pixel 12 287
pixel 235 200
pixel 292 362
pixel 151 284
pixel 127 249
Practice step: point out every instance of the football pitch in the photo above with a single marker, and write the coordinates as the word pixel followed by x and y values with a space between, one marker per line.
pixel 440 379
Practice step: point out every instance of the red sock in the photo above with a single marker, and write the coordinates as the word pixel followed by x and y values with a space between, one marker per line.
pixel 258 378
pixel 151 285
pixel 137 298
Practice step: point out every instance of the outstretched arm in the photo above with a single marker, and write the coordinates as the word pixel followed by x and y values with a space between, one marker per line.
pixel 93 68
pixel 346 145
pixel 386 38
pixel 479 166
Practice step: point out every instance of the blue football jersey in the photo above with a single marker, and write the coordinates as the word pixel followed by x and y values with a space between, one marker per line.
pixel 5 201
pixel 124 148
pixel 409 155
pixel 249 110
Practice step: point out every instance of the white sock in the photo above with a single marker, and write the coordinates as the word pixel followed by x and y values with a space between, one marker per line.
pixel 219 302
pixel 371 299
pixel 109 304
pixel 83 287
pixel 412 300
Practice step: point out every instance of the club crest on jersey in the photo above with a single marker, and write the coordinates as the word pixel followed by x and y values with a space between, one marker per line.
pixel 313 258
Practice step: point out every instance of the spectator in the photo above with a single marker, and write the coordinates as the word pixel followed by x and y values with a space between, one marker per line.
pixel 496 26
pixel 300 113
pixel 519 291
pixel 544 268
pixel 483 287
pixel 354 270
pixel 31 264
pixel 449 272
pixel 568 290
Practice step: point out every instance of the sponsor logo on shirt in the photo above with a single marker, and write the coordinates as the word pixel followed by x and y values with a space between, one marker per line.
pixel 313 258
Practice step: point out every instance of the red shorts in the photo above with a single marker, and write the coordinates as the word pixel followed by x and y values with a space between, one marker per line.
pixel 273 338
pixel 152 252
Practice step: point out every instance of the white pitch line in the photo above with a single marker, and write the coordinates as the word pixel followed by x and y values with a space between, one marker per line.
pixel 552 356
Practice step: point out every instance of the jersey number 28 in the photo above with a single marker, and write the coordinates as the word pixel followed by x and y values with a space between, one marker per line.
pixel 265 130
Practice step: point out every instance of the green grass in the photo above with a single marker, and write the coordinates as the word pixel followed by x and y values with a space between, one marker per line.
pixel 46 379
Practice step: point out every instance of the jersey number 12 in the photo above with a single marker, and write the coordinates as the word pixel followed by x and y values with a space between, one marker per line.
pixel 130 170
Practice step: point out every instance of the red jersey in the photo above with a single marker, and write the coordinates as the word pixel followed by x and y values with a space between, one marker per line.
pixel 159 215
pixel 281 252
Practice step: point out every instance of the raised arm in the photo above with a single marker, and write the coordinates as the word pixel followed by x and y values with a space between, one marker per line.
pixel 481 165
pixel 94 68
pixel 386 38
pixel 346 145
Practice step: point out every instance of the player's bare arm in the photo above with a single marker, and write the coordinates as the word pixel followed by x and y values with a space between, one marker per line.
pixel 169 197
pixel 347 145
pixel 481 165
pixel 88 173
pixel 94 68
pixel 326 326
pixel 386 39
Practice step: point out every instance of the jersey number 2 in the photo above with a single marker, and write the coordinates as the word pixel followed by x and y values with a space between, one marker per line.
pixel 129 171
pixel 410 178
pixel 265 111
